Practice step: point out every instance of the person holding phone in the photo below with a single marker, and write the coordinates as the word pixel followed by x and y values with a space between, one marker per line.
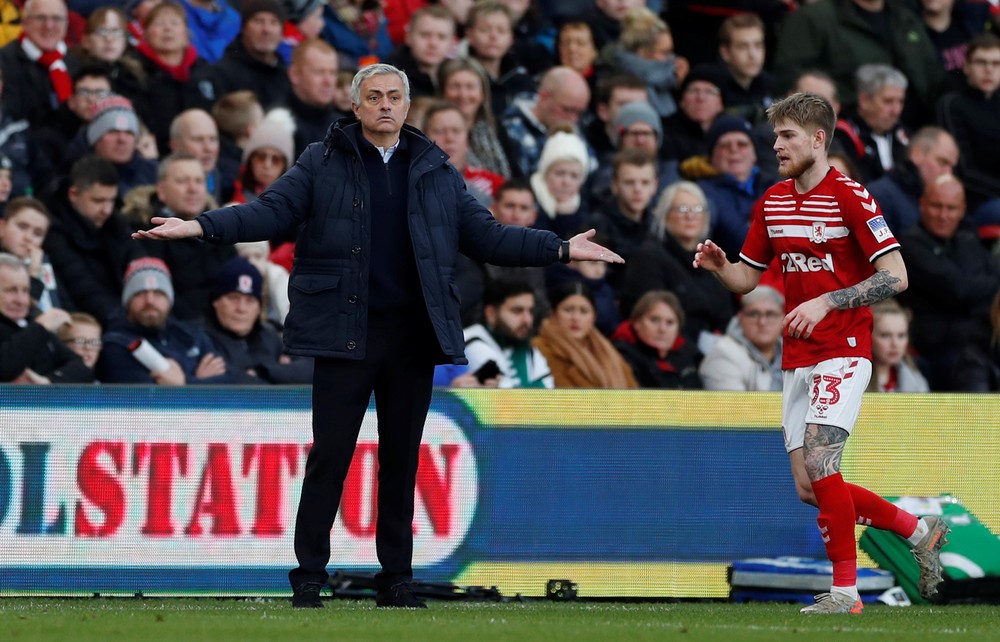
pixel 503 339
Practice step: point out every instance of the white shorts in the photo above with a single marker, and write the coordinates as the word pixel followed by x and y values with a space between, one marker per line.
pixel 828 393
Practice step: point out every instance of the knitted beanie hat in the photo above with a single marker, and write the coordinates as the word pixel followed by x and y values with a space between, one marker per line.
pixel 113 113
pixel 238 275
pixel 726 124
pixel 274 131
pixel 563 146
pixel 250 8
pixel 147 273
pixel 636 112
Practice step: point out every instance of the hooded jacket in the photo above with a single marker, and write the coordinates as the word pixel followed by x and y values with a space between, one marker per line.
pixel 212 29
pixel 327 194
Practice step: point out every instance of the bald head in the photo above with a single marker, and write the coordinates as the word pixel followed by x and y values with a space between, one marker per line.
pixel 934 152
pixel 942 207
pixel 194 131
pixel 563 95
pixel 946 184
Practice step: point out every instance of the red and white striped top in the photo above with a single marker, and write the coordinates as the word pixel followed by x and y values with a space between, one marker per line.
pixel 825 240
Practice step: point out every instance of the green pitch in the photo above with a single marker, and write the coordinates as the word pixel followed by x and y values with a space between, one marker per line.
pixel 192 620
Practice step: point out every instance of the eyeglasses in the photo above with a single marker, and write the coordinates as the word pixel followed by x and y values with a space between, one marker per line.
pixel 93 93
pixel 571 111
pixel 984 62
pixel 109 33
pixel 756 315
pixel 81 342
pixel 269 157
pixel 53 19
pixel 703 91
pixel 688 210
pixel 638 133
pixel 734 144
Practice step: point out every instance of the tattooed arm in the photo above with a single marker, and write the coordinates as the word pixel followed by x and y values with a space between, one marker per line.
pixel 889 280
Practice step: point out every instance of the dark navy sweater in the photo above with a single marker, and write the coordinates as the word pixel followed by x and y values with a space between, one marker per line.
pixel 392 279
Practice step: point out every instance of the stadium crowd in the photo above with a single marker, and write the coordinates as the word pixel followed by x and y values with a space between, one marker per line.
pixel 643 120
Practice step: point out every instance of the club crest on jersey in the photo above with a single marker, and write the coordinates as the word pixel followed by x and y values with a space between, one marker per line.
pixel 879 228
pixel 818 233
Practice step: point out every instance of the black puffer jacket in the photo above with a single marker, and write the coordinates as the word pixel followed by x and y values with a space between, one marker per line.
pixel 327 191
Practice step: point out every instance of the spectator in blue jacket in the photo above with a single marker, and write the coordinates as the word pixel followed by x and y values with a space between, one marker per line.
pixel 357 30
pixel 373 299
pixel 185 352
pixel 212 25
pixel 737 185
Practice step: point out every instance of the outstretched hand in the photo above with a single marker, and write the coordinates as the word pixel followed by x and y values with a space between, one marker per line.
pixel 169 229
pixel 709 256
pixel 581 248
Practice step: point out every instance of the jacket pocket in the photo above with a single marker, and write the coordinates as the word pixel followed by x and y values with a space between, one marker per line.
pixel 313 283
pixel 313 311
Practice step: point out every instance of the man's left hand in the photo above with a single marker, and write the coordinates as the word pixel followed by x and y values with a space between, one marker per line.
pixel 800 322
pixel 581 248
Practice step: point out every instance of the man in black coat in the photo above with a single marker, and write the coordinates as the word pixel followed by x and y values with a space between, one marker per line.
pixel 88 242
pixel 251 60
pixel 953 279
pixel 313 78
pixel 373 299
pixel 181 193
pixel 872 134
pixel 35 74
pixel 932 152
pixel 30 351
pixel 430 36
pixel 970 113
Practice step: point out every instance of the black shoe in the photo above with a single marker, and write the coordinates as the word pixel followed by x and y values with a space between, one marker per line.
pixel 399 596
pixel 306 596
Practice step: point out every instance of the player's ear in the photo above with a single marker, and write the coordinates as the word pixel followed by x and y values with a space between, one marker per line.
pixel 819 138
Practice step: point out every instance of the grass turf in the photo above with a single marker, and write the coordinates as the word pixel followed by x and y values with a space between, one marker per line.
pixel 189 620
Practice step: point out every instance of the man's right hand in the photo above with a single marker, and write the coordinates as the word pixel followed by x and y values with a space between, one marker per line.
pixel 172 376
pixel 35 262
pixel 169 229
pixel 53 319
pixel 709 256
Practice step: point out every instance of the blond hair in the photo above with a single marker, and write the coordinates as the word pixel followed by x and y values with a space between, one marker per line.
pixel 809 111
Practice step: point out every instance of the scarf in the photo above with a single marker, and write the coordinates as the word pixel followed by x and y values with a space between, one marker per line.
pixel 547 202
pixel 626 332
pixel 363 18
pixel 53 62
pixel 180 73
pixel 595 361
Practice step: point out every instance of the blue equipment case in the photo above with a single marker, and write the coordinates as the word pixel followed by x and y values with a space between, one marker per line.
pixel 796 579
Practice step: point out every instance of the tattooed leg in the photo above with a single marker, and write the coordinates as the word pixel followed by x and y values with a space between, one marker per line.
pixel 822 448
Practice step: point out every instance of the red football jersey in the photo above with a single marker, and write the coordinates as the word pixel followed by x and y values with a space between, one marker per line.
pixel 825 240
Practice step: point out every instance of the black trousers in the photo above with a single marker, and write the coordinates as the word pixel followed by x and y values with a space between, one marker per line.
pixel 399 370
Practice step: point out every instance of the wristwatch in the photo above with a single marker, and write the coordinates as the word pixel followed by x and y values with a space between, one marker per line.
pixel 564 252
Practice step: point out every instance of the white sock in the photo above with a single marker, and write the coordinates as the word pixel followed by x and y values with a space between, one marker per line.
pixel 849 591
pixel 919 533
